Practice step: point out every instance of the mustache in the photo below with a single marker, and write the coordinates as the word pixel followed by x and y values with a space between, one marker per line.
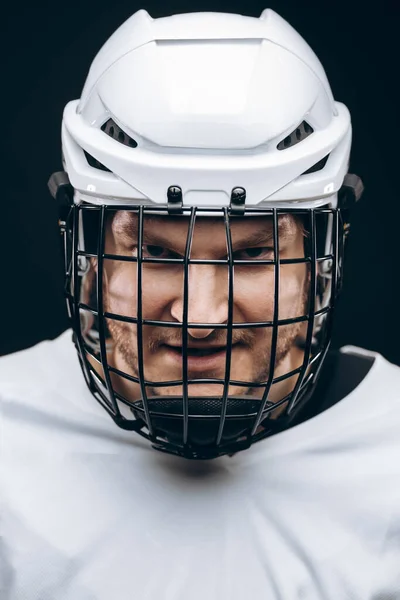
pixel 217 337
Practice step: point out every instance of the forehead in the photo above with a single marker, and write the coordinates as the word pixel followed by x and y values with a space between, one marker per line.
pixel 126 222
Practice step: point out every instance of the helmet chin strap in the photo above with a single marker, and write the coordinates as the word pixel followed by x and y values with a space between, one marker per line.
pixel 203 421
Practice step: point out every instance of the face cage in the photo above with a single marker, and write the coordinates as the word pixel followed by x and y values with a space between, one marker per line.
pixel 203 427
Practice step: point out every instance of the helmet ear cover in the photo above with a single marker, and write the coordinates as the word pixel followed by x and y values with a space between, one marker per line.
pixel 349 194
pixel 62 191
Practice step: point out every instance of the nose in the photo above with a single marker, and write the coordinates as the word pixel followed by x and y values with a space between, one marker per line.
pixel 208 298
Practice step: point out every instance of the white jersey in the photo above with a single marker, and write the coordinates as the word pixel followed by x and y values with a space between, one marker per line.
pixel 92 512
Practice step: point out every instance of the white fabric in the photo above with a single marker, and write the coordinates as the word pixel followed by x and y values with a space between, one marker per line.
pixel 91 512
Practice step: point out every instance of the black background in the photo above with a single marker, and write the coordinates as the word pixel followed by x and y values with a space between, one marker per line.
pixel 48 48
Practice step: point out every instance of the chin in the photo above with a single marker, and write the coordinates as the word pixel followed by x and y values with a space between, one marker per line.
pixel 200 391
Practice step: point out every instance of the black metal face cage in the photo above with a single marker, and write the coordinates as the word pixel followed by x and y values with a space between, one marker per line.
pixel 200 427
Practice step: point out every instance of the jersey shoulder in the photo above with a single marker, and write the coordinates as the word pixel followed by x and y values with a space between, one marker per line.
pixel 41 366
pixel 381 385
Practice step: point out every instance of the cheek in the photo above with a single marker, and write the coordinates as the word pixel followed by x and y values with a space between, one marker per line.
pixel 159 289
pixel 120 287
pixel 291 291
pixel 254 295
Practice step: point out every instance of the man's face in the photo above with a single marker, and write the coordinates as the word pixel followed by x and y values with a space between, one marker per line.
pixel 162 300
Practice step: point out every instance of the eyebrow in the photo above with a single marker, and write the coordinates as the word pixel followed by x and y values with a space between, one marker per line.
pixel 128 228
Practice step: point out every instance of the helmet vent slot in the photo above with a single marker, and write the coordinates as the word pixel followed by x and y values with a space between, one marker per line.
pixel 93 162
pixel 298 135
pixel 116 133
pixel 318 166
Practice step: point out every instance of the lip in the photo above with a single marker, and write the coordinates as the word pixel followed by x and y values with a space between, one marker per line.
pixel 197 363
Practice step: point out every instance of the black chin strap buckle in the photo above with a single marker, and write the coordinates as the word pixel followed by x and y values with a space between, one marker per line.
pixel 61 189
pixel 175 202
pixel 238 201
pixel 351 191
pixel 348 195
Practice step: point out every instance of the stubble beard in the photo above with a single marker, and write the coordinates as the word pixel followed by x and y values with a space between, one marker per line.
pixel 125 349
pixel 125 352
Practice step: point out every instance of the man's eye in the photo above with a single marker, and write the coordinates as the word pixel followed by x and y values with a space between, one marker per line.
pixel 260 252
pixel 151 251
pixel 155 251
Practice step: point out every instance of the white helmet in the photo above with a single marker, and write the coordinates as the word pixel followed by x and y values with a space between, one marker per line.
pixel 207 112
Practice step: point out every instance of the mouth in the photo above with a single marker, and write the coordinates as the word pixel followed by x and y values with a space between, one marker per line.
pixel 199 358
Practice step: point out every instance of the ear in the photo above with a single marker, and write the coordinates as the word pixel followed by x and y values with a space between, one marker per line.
pixel 91 275
pixel 93 264
pixel 88 289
